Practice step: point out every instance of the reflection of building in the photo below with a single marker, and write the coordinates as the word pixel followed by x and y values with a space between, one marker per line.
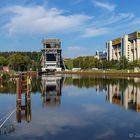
pixel 129 97
pixel 128 46
pixel 51 59
pixel 100 88
pixel 51 86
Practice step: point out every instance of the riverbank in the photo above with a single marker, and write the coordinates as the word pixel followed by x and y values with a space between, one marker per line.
pixel 13 74
pixel 108 73
pixel 116 73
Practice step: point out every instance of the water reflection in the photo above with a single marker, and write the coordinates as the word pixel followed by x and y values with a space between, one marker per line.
pixel 23 111
pixel 51 86
pixel 129 97
pixel 124 92
pixel 91 108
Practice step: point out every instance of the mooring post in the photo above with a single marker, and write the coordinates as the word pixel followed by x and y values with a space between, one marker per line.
pixel 18 98
pixel 23 87
pixel 28 110
pixel 18 89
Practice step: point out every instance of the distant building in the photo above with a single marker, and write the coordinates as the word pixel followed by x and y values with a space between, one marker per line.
pixel 101 55
pixel 128 46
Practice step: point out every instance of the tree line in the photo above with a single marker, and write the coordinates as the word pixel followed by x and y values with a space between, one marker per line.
pixel 31 60
pixel 88 82
pixel 20 60
pixel 89 62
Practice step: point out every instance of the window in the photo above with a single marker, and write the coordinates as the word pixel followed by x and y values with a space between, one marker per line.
pixel 51 45
pixel 50 57
pixel 50 88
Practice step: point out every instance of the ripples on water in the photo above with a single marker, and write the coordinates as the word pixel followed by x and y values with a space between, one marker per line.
pixel 74 108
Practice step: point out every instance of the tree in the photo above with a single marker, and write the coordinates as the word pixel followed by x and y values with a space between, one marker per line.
pixel 86 62
pixel 18 62
pixel 3 61
pixel 75 63
pixel 68 63
pixel 123 62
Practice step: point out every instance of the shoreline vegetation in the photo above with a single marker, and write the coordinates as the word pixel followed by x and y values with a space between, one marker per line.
pixel 30 61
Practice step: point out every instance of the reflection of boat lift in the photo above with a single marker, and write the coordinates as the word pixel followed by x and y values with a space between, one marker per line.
pixel 23 88
pixel 51 86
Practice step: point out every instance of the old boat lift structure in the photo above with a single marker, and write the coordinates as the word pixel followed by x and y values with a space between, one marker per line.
pixel 51 58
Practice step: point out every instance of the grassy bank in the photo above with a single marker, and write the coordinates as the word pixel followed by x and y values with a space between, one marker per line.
pixel 111 73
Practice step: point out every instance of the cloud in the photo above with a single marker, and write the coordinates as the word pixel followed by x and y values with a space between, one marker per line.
pixel 74 51
pixel 93 108
pixel 92 32
pixel 103 26
pixel 114 19
pixel 75 48
pixel 37 19
pixel 107 6
pixel 55 123
pixel 106 134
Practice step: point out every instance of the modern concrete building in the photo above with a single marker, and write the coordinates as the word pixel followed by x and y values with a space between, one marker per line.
pixel 128 46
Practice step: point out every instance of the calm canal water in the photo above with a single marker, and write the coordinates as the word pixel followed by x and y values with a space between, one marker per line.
pixel 71 107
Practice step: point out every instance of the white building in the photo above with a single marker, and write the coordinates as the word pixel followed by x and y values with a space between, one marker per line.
pixel 128 46
pixel 101 55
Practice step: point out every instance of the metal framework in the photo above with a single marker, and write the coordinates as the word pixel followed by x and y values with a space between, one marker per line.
pixel 51 59
pixel 51 87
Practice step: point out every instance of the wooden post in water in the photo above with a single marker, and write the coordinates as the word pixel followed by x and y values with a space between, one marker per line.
pixel 18 89
pixel 23 88
pixel 18 99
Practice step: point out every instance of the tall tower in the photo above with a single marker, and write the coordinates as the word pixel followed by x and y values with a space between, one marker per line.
pixel 51 59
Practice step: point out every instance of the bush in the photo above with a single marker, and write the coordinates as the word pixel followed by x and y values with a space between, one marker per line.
pixel 6 76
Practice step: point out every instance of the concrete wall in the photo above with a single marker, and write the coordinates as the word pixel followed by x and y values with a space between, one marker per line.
pixel 109 50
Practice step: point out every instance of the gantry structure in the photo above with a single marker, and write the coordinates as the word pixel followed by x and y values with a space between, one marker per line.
pixel 51 58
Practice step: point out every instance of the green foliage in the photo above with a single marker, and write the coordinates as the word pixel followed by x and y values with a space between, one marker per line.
pixel 89 81
pixel 3 61
pixel 26 60
pixel 32 60
pixel 86 62
pixel 68 63
pixel 5 76
pixel 16 61
pixel 89 62
pixel 123 63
